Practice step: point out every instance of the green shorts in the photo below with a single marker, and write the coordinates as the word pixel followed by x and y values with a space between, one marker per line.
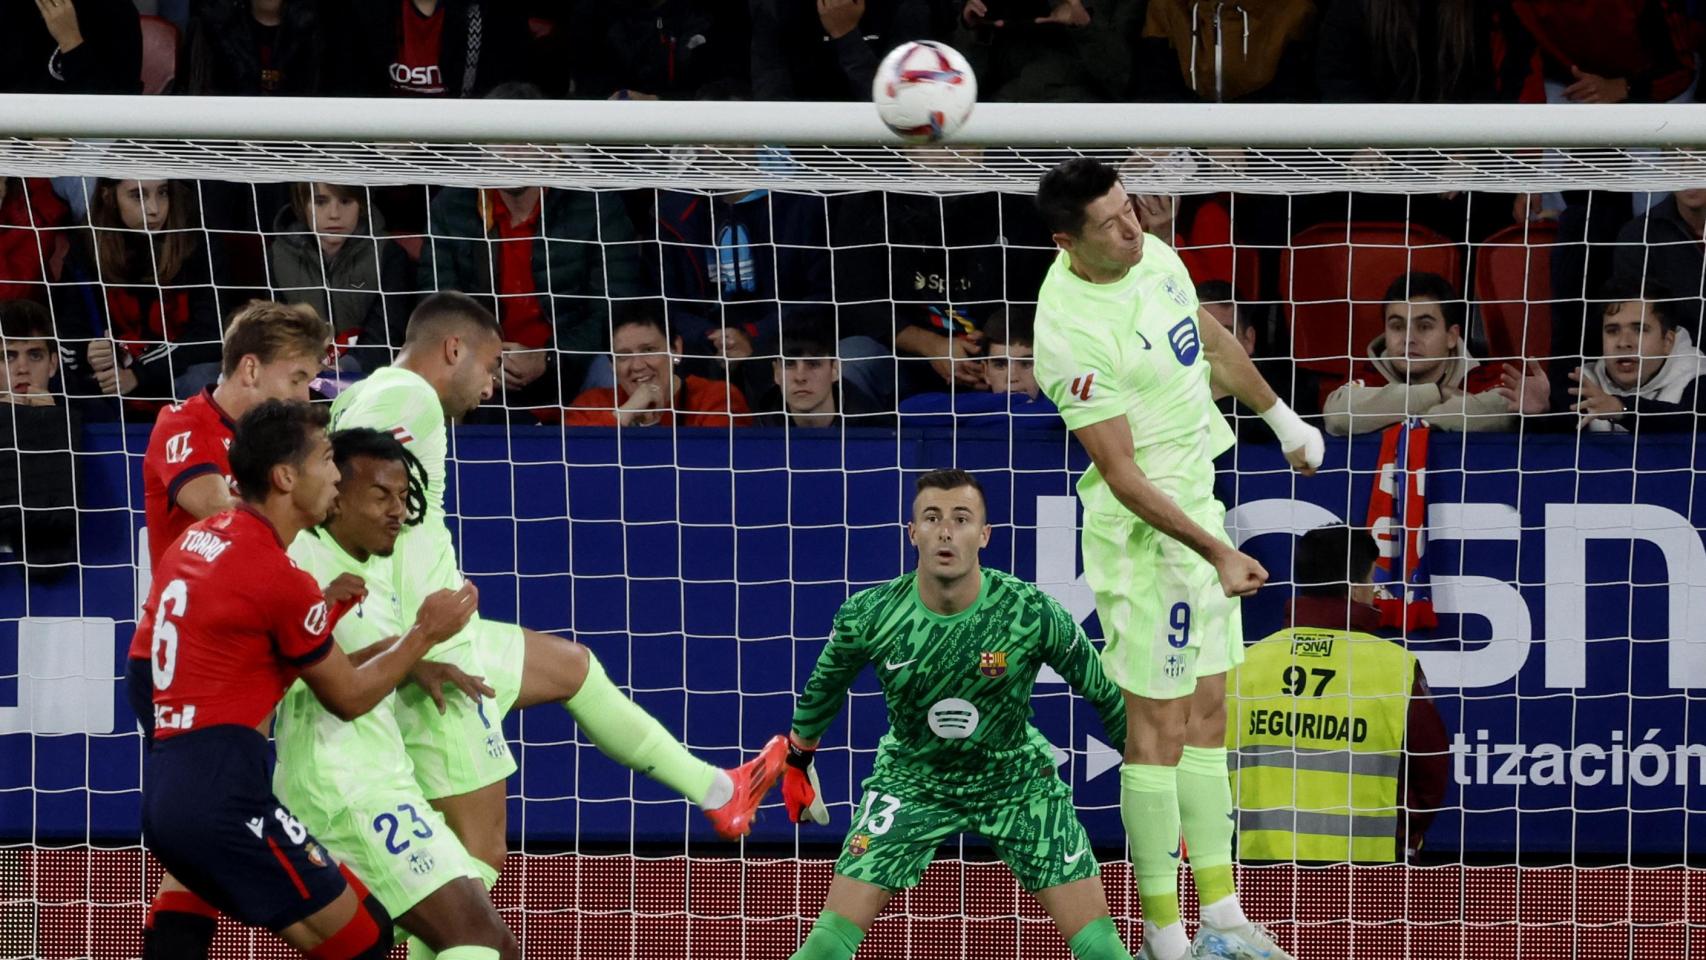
pixel 464 748
pixel 1165 619
pixel 1034 830
pixel 353 786
pixel 394 841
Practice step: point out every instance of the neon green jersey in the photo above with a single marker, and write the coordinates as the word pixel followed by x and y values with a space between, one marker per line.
pixel 1132 348
pixel 958 687
pixel 400 402
pixel 319 756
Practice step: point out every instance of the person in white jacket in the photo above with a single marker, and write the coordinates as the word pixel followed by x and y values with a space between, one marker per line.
pixel 1424 361
pixel 1648 371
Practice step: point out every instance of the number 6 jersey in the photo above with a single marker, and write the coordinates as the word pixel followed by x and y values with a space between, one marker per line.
pixel 229 624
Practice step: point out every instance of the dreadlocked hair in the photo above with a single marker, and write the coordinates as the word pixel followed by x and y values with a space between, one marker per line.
pixel 367 442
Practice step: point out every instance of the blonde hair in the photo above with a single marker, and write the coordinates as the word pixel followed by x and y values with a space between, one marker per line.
pixel 270 330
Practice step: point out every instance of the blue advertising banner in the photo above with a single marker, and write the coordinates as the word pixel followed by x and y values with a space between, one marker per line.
pixel 703 569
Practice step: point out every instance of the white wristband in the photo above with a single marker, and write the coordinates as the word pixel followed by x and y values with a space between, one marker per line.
pixel 1293 433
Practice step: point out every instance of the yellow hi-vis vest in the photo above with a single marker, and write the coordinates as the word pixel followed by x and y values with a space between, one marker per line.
pixel 1315 741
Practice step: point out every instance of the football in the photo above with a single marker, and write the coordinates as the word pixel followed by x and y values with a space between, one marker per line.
pixel 924 91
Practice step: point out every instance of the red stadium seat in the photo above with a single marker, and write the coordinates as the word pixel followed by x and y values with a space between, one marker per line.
pixel 1332 279
pixel 159 55
pixel 1513 288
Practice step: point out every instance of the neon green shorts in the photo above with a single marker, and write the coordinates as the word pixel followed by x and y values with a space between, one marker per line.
pixel 1165 619
pixel 897 830
pixel 464 748
pixel 394 841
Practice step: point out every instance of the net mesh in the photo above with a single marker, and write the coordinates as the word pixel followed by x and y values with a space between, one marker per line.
pixel 703 565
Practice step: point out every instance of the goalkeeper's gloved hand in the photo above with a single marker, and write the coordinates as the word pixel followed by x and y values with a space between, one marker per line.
pixel 800 791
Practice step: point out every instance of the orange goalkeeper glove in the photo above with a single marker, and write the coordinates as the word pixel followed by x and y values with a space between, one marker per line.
pixel 800 791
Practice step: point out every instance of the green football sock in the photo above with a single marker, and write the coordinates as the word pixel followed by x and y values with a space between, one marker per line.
pixel 1149 808
pixel 469 953
pixel 632 737
pixel 833 937
pixel 1205 813
pixel 1099 940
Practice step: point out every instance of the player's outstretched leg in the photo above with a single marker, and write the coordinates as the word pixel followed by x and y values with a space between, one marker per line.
pixel 1080 911
pixel 848 912
pixel 1207 817
pixel 563 671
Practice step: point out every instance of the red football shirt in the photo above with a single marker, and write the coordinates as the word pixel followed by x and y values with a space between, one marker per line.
pixel 229 624
pixel 190 439
pixel 420 39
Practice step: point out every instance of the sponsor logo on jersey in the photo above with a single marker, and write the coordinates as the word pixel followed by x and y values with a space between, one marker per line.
pixel 257 825
pixel 315 621
pixel 420 862
pixel 1083 386
pixel 859 844
pixel 316 854
pixel 953 718
pixel 1186 344
pixel 178 448
pixel 891 665
pixel 992 664
pixel 426 78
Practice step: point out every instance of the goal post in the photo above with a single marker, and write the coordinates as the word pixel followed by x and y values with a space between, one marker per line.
pixel 1565 569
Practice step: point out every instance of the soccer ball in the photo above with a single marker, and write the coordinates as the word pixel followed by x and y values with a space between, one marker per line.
pixel 924 91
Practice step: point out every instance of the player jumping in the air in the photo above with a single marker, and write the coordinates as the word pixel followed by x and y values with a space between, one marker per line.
pixel 230 622
pixel 1134 364
pixel 451 357
pixel 351 784
pixel 271 352
pixel 956 649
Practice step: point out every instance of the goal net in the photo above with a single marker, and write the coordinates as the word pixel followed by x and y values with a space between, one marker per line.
pixel 1553 579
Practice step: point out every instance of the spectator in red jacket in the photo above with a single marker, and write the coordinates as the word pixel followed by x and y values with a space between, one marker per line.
pixel 648 391
pixel 136 306
pixel 29 210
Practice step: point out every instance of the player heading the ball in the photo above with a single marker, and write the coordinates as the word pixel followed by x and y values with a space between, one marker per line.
pixel 1132 360
pixel 231 623
pixel 956 649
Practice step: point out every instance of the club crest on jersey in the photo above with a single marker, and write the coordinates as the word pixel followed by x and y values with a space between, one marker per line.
pixel 316 854
pixel 1184 339
pixel 1172 289
pixel 420 862
pixel 315 621
pixel 992 664
pixel 1175 667
pixel 859 844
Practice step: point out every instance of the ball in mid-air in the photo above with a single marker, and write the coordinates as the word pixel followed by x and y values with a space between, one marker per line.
pixel 924 90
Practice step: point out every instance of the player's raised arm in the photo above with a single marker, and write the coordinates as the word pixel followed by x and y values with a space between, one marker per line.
pixel 1232 371
pixel 1074 657
pixel 349 691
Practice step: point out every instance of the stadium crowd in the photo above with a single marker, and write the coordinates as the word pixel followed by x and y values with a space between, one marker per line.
pixel 874 310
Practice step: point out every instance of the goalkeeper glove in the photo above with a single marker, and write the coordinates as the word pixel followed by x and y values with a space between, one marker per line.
pixel 800 791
